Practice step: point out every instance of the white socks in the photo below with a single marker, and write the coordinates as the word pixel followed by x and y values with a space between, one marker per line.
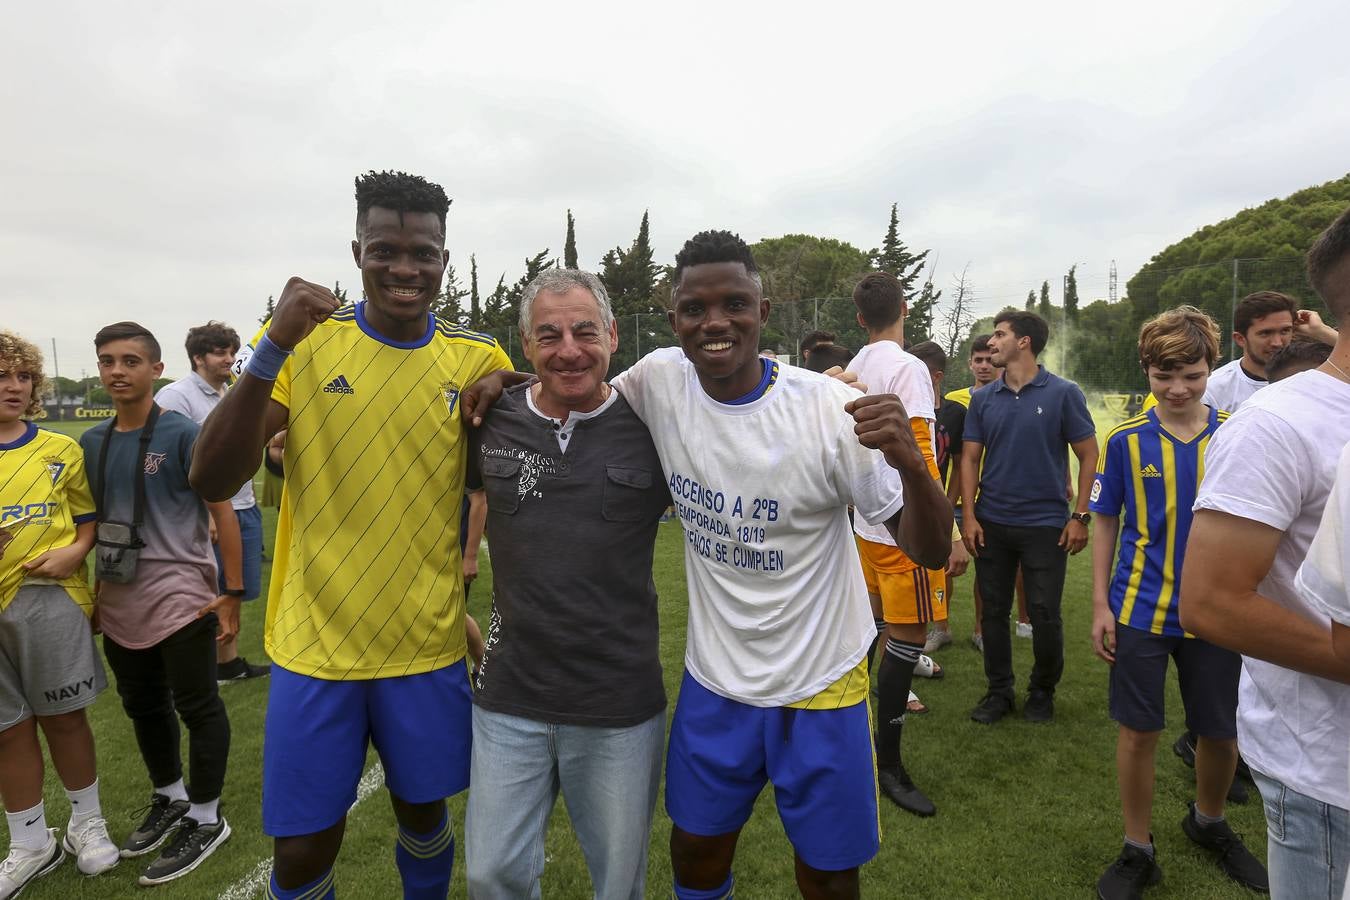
pixel 175 791
pixel 205 813
pixel 84 804
pixel 28 828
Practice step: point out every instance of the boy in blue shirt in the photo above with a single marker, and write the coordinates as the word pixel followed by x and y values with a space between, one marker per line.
pixel 1149 473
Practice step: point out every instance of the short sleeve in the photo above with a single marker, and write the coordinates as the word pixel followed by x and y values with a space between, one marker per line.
pixel 633 382
pixel 914 387
pixel 186 441
pixel 1078 424
pixel 972 429
pixel 952 417
pixel 171 399
pixel 1321 578
pixel 1108 487
pixel 1255 468
pixel 281 388
pixel 78 496
pixel 863 478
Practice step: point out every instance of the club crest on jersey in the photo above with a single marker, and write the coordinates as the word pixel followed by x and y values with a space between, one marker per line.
pixel 54 468
pixel 153 461
pixel 450 391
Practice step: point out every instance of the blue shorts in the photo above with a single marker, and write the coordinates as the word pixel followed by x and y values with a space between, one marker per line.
pixel 251 534
pixel 819 761
pixel 317 732
pixel 1207 674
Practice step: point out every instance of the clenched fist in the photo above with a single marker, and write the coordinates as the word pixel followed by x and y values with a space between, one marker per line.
pixel 303 305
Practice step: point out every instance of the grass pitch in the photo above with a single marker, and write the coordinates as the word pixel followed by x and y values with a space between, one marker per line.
pixel 1023 811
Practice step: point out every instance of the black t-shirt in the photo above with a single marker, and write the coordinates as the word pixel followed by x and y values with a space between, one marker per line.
pixel 573 633
pixel 951 421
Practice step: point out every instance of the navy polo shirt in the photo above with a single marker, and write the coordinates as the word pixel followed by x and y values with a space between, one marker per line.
pixel 1026 435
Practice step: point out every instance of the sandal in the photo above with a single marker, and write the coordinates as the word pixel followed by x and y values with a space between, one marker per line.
pixel 915 705
pixel 927 667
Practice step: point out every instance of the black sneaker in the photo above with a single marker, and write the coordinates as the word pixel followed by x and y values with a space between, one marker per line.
pixel 1184 748
pixel 896 786
pixel 1235 859
pixel 1040 707
pixel 161 815
pixel 191 845
pixel 1237 792
pixel 239 669
pixel 992 707
pixel 1127 877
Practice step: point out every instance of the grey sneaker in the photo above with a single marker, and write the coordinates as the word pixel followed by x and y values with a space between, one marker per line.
pixel 977 641
pixel 22 867
pixel 89 843
pixel 160 816
pixel 1024 630
pixel 189 847
pixel 937 639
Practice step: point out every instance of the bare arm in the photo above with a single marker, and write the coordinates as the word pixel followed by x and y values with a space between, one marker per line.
pixel 1074 537
pixel 478 397
pixel 971 454
pixel 224 606
pixel 473 538
pixel 1226 558
pixel 230 446
pixel 1103 554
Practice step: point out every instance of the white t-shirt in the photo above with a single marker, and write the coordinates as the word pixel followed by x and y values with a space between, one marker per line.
pixel 1321 578
pixel 1230 386
pixel 778 609
pixel 1274 462
pixel 887 369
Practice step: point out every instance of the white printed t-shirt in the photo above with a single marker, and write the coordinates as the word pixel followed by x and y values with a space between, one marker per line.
pixel 1274 462
pixel 778 609
pixel 886 368
pixel 1230 386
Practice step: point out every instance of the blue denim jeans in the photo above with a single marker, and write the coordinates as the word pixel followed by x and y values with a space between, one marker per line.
pixel 608 778
pixel 1308 843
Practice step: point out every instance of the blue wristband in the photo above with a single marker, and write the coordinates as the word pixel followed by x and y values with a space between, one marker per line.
pixel 267 360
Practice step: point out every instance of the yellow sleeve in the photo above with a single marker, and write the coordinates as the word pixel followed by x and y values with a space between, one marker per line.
pixel 923 433
pixel 78 495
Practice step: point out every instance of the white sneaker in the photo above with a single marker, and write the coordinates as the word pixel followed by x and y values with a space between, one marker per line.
pixel 1024 629
pixel 22 867
pixel 937 639
pixel 89 843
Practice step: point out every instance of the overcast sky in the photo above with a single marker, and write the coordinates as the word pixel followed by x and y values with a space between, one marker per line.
pixel 172 164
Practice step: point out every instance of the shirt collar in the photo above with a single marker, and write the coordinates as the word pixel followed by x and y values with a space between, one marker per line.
pixel 203 384
pixel 1041 378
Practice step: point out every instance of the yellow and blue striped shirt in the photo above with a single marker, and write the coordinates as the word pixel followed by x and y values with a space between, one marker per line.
pixel 1152 476
pixel 367 580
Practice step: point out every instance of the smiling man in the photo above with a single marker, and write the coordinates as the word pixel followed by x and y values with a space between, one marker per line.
pixel 365 623
pixel 763 461
pixel 566 459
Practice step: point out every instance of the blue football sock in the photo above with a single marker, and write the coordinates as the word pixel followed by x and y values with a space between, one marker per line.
pixel 727 891
pixel 319 889
pixel 425 861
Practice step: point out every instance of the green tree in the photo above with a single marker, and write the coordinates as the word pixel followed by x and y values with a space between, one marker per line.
pixel 448 304
pixel 494 310
pixel 919 320
pixel 1071 295
pixel 1045 309
pixel 809 282
pixel 630 275
pixel 511 304
pixel 475 302
pixel 1031 301
pixel 896 258
pixel 267 313
pixel 570 245
pixel 340 293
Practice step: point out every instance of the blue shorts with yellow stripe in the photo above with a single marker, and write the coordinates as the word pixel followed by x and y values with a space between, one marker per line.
pixel 819 761
pixel 317 733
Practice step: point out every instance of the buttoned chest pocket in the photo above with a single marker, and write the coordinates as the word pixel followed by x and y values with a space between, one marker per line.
pixel 626 493
pixel 501 481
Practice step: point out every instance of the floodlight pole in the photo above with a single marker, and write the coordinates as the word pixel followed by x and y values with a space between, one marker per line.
pixel 56 365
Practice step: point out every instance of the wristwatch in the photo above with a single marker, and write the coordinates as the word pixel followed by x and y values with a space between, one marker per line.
pixel 1081 518
pixel 233 592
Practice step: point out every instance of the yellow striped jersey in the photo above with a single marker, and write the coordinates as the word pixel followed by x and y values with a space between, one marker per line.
pixel 960 395
pixel 366 581
pixel 1153 477
pixel 42 476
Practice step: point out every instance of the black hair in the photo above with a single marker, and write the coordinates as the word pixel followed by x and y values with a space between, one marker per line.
pixel 715 247
pixel 880 300
pixel 812 338
pixel 980 344
pixel 128 331
pixel 400 192
pixel 1258 306
pixel 1296 356
pixel 1328 252
pixel 1026 324
pixel 825 355
pixel 931 354
pixel 203 339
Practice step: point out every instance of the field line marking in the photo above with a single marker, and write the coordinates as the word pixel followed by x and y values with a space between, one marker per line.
pixel 256 880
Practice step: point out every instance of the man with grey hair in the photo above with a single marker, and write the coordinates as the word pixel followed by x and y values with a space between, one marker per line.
pixel 574 492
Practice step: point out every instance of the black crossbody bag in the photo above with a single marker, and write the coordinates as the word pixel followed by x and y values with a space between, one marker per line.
pixel 117 546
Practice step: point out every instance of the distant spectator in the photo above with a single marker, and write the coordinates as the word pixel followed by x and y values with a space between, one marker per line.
pixel 826 356
pixel 768 353
pixel 813 338
pixel 1298 355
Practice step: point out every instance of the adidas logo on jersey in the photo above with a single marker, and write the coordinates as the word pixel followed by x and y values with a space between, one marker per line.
pixel 338 385
pixel 1150 471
